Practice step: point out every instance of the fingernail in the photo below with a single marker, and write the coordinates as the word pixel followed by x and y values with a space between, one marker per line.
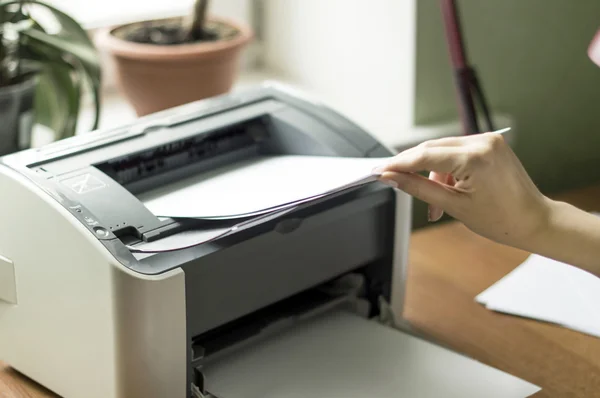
pixel 391 183
pixel 433 216
pixel 378 170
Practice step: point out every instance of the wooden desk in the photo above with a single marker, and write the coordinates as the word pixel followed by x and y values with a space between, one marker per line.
pixel 449 266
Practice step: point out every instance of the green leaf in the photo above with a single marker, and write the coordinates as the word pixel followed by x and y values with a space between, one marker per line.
pixel 50 104
pixel 71 82
pixel 65 47
pixel 58 93
pixel 71 47
pixel 69 27
pixel 58 99
pixel 80 56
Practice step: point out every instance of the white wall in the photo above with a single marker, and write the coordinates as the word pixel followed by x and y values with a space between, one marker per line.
pixel 357 55
pixel 94 13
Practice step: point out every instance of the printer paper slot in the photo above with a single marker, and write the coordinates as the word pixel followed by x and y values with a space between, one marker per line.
pixel 258 186
pixel 342 354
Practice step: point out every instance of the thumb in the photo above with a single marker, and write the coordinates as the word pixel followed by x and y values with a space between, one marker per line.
pixel 435 213
pixel 422 188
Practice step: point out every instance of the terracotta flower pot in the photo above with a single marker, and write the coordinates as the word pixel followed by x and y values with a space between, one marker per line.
pixel 157 77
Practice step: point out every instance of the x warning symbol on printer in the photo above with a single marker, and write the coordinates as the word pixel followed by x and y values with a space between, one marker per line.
pixel 84 183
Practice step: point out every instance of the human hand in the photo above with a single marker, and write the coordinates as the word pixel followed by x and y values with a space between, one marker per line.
pixel 476 179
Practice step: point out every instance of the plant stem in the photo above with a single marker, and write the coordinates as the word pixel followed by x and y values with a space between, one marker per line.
pixel 18 52
pixel 2 56
pixel 196 31
pixel 2 50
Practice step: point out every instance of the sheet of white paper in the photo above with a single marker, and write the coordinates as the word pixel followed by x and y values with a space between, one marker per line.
pixel 195 237
pixel 549 291
pixel 258 184
pixel 341 355
pixel 180 241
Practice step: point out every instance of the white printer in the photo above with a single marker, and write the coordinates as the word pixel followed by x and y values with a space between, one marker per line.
pixel 294 306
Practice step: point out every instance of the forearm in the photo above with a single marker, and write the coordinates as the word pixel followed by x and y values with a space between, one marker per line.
pixel 571 236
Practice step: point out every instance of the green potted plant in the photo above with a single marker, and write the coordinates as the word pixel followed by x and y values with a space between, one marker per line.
pixel 44 67
pixel 167 62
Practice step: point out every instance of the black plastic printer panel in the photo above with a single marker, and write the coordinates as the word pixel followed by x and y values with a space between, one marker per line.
pixel 162 136
pixel 231 283
pixel 334 120
pixel 295 132
pixel 113 207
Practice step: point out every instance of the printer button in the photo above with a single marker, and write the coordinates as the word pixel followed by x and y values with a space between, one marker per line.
pixel 101 232
pixel 76 208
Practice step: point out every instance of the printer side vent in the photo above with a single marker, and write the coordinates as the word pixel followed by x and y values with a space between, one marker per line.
pixel 179 154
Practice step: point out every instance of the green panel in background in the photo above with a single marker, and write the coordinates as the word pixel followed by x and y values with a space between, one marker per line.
pixel 531 57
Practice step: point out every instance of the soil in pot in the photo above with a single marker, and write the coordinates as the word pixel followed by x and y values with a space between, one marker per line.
pixel 158 67
pixel 170 32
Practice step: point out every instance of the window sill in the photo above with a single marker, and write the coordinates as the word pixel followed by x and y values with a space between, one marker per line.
pixel 117 111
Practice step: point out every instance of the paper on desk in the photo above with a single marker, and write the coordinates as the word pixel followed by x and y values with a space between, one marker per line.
pixel 549 291
pixel 260 184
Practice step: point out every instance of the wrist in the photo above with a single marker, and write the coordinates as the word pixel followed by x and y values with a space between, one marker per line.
pixel 570 235
pixel 548 228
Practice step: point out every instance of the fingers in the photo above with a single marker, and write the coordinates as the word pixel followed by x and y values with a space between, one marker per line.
pixel 444 159
pixel 443 155
pixel 434 212
pixel 430 191
pixel 445 141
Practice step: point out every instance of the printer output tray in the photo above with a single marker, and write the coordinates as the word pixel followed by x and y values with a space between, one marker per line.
pixel 343 355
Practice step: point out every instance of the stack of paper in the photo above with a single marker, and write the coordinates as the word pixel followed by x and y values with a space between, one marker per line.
pixel 549 291
pixel 249 193
pixel 258 185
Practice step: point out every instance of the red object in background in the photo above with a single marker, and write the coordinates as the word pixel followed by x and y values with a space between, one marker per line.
pixel 468 89
pixel 594 49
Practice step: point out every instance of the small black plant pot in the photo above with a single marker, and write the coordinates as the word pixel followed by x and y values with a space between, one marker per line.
pixel 17 115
